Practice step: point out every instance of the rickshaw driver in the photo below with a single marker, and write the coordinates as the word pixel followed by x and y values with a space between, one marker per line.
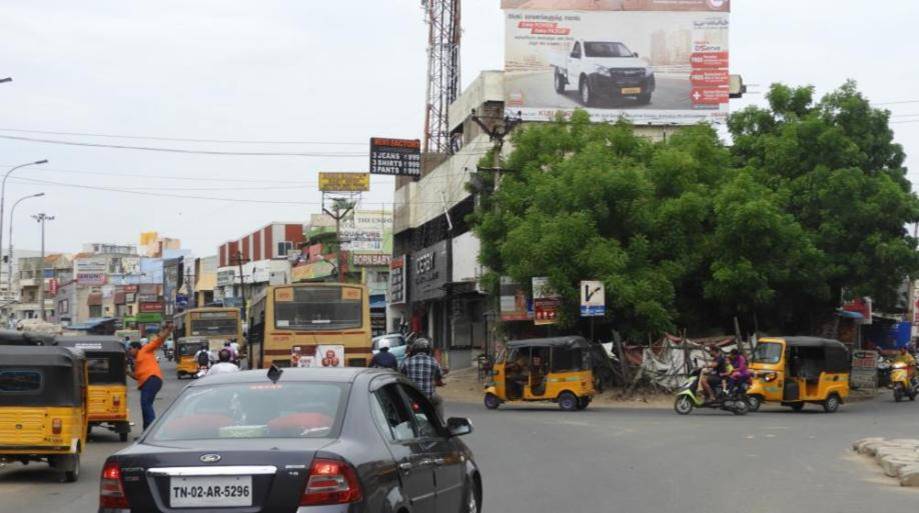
pixel 538 371
pixel 519 373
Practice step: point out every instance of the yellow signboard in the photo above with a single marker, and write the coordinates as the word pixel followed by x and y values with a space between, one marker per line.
pixel 344 182
pixel 315 270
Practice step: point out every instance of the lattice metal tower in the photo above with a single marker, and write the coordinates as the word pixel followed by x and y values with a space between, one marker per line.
pixel 443 19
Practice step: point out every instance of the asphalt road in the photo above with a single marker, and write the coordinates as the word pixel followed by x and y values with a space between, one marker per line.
pixel 614 459
pixel 539 91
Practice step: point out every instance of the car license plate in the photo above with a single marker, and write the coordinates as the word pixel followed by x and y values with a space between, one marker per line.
pixel 631 90
pixel 210 491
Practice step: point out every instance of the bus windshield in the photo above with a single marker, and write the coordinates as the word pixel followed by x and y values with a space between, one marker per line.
pixel 317 309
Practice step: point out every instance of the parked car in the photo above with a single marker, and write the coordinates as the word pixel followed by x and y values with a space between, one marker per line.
pixel 297 440
pixel 396 342
pixel 600 69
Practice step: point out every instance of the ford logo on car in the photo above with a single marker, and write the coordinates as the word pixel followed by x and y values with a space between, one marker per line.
pixel 210 458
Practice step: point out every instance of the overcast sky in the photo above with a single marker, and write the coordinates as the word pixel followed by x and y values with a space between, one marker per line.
pixel 317 72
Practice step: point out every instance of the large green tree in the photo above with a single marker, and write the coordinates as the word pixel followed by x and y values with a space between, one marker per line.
pixel 810 200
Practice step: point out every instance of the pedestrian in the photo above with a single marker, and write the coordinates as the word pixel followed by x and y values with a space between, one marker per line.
pixel 384 359
pixel 223 365
pixel 147 372
pixel 425 372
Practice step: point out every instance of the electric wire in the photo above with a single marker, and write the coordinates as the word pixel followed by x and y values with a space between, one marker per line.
pixel 182 139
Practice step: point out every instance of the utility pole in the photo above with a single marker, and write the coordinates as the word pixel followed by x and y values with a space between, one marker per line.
pixel 341 208
pixel 239 260
pixel 496 134
pixel 42 218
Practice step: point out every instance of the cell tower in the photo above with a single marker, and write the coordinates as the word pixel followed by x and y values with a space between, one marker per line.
pixel 443 19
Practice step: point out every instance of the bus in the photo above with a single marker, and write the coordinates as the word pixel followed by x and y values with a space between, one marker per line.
pixel 214 323
pixel 287 323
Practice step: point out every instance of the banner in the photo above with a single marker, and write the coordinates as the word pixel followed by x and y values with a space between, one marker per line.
pixel 90 271
pixel 395 156
pixel 330 356
pixel 545 302
pixel 649 62
pixel 515 305
pixel 397 281
pixel 344 182
pixel 864 369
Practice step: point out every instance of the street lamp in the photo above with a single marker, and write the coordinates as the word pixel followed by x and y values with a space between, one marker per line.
pixel 7 79
pixel 42 218
pixel 9 262
pixel 3 196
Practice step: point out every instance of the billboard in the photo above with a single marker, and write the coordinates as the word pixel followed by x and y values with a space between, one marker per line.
pixel 90 270
pixel 344 182
pixel 395 156
pixel 546 302
pixel 647 61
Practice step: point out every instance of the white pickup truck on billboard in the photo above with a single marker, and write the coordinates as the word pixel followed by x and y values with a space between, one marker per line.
pixel 603 70
pixel 648 61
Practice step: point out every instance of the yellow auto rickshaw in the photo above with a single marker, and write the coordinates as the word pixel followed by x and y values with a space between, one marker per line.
pixel 186 349
pixel 43 406
pixel 108 388
pixel 543 369
pixel 795 371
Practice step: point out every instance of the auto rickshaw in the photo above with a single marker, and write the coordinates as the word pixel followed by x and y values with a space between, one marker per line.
pixel 43 409
pixel 543 369
pixel 25 338
pixel 186 349
pixel 108 387
pixel 795 371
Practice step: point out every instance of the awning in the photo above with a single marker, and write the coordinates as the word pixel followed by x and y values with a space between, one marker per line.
pixel 94 299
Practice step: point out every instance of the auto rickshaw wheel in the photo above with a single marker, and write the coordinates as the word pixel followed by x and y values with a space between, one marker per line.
pixel 568 401
pixel 491 401
pixel 831 404
pixel 754 402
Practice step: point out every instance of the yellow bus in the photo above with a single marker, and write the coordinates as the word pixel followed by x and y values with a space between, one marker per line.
pixel 214 323
pixel 287 323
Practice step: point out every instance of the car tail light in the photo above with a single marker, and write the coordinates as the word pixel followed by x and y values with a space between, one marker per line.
pixel 56 426
pixel 111 493
pixel 331 482
pixel 116 400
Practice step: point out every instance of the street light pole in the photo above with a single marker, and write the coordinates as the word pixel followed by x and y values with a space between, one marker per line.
pixel 42 218
pixel 9 262
pixel 7 79
pixel 3 195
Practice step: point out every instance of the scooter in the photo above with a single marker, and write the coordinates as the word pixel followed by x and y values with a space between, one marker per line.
pixel 733 400
pixel 902 385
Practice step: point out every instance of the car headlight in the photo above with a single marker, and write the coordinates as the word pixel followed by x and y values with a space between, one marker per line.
pixel 602 70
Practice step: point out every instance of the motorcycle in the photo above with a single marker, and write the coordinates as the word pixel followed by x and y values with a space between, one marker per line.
pixel 733 399
pixel 901 383
pixel 170 354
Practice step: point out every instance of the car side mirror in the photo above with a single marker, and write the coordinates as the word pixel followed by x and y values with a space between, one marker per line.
pixel 459 426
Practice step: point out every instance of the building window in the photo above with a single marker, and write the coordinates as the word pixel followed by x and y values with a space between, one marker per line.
pixel 95 311
pixel 284 248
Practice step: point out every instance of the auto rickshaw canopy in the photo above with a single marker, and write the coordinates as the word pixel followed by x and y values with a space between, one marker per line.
pixel 105 355
pixel 41 376
pixel 832 355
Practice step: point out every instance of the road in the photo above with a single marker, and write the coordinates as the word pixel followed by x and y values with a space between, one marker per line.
pixel 635 460
pixel 539 91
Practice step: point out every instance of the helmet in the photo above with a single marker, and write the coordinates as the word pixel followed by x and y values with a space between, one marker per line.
pixel 421 345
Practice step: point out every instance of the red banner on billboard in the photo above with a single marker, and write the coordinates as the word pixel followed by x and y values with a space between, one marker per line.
pixel 151 307
pixel 710 77
pixel 709 60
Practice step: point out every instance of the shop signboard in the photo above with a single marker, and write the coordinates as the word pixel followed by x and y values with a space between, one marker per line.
pixel 312 271
pixel 371 259
pixel 395 156
pixel 546 302
pixel 398 284
pixel 864 369
pixel 344 182
pixel 156 306
pixel 429 273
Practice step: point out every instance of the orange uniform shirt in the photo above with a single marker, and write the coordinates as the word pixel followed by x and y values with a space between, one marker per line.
pixel 145 364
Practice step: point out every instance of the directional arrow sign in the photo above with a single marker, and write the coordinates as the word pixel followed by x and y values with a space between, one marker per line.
pixel 593 299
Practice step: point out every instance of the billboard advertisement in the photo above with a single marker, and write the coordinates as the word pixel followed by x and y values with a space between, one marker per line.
pixel 656 62
pixel 344 182
pixel 400 157
pixel 90 270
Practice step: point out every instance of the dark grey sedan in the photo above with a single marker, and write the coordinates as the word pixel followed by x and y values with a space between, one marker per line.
pixel 308 440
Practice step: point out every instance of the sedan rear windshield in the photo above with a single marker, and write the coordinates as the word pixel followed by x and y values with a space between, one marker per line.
pixel 606 50
pixel 253 410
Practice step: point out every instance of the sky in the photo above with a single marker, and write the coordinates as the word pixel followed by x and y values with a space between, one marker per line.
pixel 325 75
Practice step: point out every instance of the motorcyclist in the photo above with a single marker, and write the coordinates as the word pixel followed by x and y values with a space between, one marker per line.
pixel 424 371
pixel 906 358
pixel 739 372
pixel 716 371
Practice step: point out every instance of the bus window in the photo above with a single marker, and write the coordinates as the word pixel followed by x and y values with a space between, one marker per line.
pixel 317 309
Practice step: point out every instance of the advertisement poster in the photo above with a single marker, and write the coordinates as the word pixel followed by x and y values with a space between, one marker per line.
pixel 344 182
pixel 330 356
pixel 397 281
pixel 515 305
pixel 648 61
pixel 546 302
pixel 90 271
pixel 298 359
pixel 401 157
